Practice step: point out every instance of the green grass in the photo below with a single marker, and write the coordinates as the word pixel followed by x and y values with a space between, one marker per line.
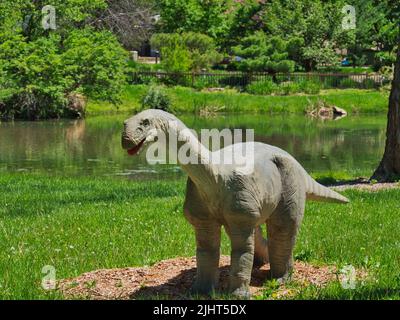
pixel 78 224
pixel 189 100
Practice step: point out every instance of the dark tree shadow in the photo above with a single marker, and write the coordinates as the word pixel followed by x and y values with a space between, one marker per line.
pixel 332 182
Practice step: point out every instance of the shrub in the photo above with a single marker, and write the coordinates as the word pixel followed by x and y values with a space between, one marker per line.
pixel 348 83
pixel 284 66
pixel 202 82
pixel 200 49
pixel 262 87
pixel 309 87
pixel 41 69
pixel 287 88
pixel 234 81
pixel 331 82
pixel 260 52
pixel 156 98
pixel 369 84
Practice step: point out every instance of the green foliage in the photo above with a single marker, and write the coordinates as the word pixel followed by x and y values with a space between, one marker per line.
pixel 40 69
pixel 268 87
pixel 317 56
pixel 384 59
pixel 94 62
pixel 369 84
pixel 262 53
pixel 377 27
pixel 176 58
pixel 156 98
pixel 187 51
pixel 289 87
pixel 313 26
pixel 210 17
pixel 189 100
pixel 348 83
pixel 263 87
pixel 309 87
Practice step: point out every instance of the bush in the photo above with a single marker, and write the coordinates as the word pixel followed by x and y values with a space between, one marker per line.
pixel 202 82
pixel 200 50
pixel 267 87
pixel 260 52
pixel 234 81
pixel 156 98
pixel 310 87
pixel 348 83
pixel 369 84
pixel 263 87
pixel 287 88
pixel 40 69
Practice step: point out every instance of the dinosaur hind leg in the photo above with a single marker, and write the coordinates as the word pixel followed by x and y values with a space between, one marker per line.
pixel 283 224
pixel 260 249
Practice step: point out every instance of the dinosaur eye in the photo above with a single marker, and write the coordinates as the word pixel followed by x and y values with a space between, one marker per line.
pixel 145 122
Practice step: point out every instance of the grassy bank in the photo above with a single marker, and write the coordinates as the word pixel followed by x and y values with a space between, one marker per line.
pixel 81 224
pixel 189 100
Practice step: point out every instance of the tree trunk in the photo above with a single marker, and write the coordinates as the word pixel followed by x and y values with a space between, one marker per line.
pixel 389 168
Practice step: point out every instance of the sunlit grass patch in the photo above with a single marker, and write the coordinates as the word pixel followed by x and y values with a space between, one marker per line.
pixel 80 224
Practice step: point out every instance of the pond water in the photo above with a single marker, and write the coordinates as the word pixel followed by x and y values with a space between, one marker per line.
pixel 92 146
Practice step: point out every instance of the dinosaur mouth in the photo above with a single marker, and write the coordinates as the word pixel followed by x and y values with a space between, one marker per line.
pixel 136 149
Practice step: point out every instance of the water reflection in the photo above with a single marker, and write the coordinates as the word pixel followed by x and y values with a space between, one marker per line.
pixel 92 146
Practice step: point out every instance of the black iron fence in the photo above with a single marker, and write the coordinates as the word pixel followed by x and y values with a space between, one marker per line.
pixel 242 79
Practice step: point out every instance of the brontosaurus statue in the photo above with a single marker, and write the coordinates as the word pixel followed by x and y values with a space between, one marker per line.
pixel 217 195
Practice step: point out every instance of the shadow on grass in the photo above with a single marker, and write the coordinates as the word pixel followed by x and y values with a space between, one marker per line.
pixel 332 182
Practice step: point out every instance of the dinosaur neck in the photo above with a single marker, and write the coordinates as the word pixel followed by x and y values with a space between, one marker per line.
pixel 192 156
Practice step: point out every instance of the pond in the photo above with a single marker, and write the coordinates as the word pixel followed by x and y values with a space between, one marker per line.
pixel 92 146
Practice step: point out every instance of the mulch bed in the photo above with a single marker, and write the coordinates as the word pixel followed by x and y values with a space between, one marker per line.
pixel 372 187
pixel 172 279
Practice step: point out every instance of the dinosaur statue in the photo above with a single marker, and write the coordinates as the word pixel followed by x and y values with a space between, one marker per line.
pixel 274 193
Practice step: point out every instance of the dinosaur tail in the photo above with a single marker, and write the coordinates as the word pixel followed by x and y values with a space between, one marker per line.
pixel 318 192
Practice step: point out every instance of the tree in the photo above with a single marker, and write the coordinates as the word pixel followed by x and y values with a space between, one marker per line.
pixel 262 53
pixel 197 50
pixel 133 21
pixel 389 167
pixel 317 24
pixel 42 71
pixel 210 17
pixel 244 20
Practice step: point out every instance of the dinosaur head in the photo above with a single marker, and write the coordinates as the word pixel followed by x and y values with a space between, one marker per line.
pixel 141 129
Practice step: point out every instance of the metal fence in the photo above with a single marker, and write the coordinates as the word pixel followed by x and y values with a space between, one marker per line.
pixel 242 79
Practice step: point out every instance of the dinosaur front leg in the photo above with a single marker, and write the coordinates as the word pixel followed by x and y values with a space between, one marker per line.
pixel 242 255
pixel 208 239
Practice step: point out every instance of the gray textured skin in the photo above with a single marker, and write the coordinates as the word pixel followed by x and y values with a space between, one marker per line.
pixel 219 195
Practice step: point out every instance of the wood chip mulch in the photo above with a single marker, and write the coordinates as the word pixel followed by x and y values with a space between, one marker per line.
pixel 372 187
pixel 172 279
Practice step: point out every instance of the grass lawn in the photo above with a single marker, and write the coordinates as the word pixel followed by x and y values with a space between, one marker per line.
pixel 189 100
pixel 78 224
